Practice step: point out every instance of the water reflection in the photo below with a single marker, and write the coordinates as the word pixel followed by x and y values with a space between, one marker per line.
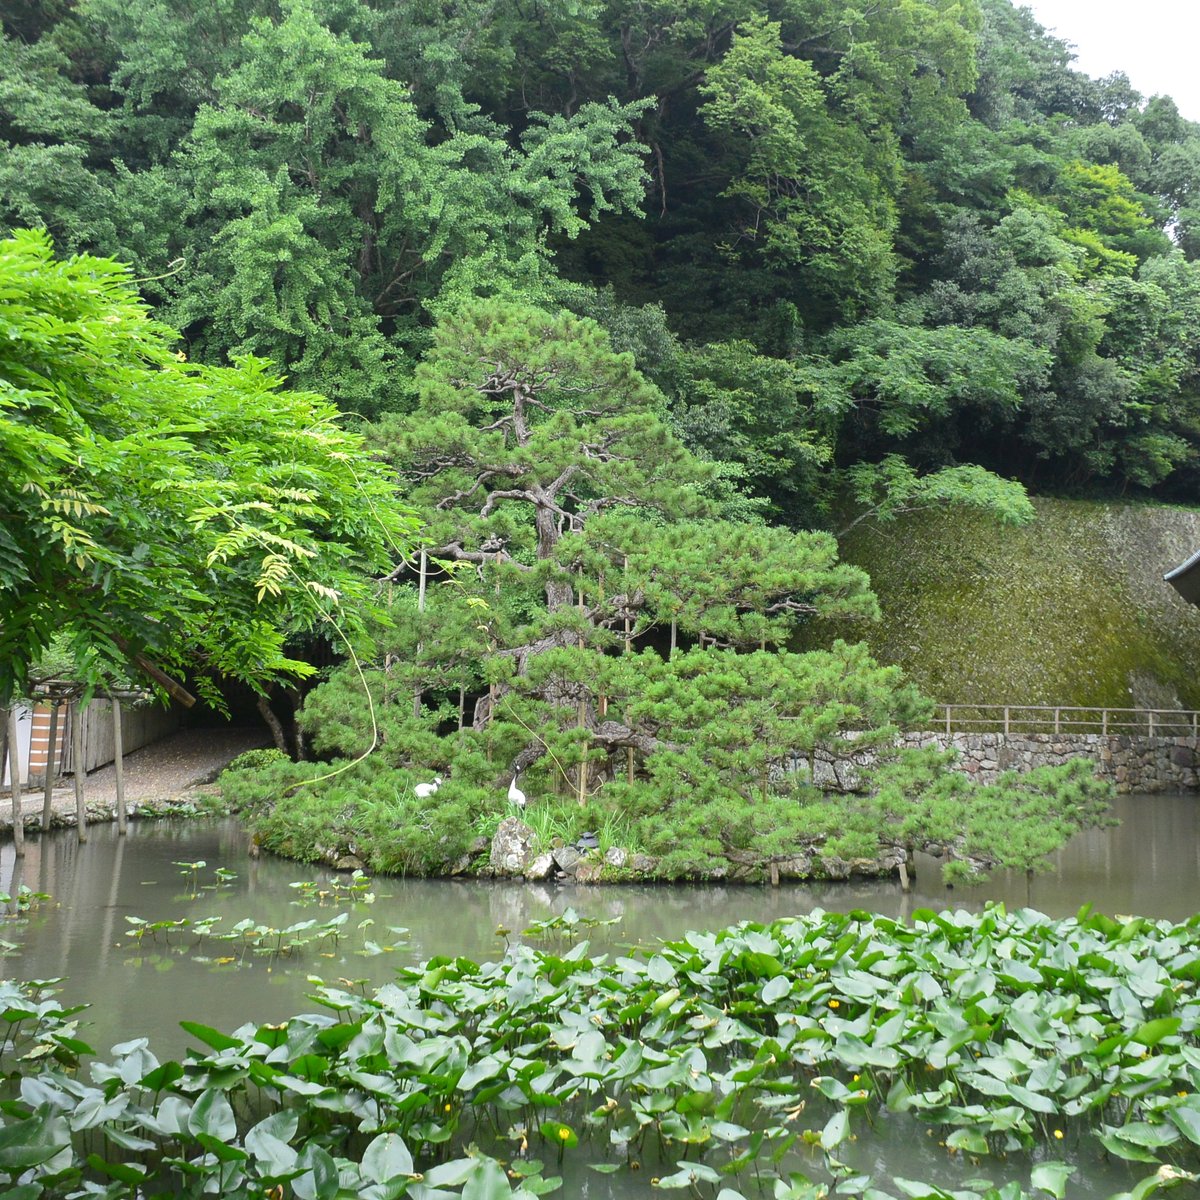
pixel 1149 865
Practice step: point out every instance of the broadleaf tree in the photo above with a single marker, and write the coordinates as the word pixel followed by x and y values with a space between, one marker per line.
pixel 161 512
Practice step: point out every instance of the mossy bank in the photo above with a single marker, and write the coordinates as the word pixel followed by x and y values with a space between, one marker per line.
pixel 1071 609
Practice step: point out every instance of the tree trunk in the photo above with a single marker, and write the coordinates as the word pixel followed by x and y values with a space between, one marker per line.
pixel 273 724
pixel 558 592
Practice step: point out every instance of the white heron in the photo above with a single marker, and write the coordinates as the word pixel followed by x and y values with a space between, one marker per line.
pixel 515 795
pixel 425 790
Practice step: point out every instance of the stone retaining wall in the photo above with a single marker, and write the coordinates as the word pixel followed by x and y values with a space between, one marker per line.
pixel 1134 764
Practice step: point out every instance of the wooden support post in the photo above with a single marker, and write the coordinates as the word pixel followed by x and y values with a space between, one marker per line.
pixel 14 779
pixel 48 787
pixel 420 609
pixel 625 567
pixel 77 764
pixel 119 764
pixel 581 786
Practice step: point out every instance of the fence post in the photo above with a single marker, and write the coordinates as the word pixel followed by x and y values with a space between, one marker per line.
pixel 948 731
pixel 1006 720
pixel 77 711
pixel 1104 722
pixel 1150 722
pixel 1057 715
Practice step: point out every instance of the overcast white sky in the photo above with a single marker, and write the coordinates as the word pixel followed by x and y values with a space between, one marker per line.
pixel 1155 42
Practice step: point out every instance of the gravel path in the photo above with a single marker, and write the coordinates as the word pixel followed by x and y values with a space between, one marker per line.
pixel 159 772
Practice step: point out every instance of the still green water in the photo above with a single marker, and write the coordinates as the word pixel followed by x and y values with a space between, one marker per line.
pixel 1149 865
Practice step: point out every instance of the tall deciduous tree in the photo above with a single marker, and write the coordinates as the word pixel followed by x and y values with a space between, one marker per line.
pixel 155 511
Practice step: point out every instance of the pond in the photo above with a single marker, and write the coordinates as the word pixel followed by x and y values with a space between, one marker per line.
pixel 1148 865
pixel 94 933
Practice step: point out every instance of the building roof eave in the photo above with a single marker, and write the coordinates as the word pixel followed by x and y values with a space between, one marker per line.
pixel 1185 579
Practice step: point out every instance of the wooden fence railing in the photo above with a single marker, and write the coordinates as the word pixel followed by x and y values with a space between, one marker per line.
pixel 1063 718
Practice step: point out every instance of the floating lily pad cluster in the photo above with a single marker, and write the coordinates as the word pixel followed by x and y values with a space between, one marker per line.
pixel 752 1062
pixel 245 936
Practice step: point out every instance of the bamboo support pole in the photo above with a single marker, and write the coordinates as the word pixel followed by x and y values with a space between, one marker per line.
pixel 119 765
pixel 14 779
pixel 420 645
pixel 581 783
pixel 48 787
pixel 77 765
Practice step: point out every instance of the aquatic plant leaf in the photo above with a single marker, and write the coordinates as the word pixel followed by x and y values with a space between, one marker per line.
pixel 209 1036
pixel 1153 1032
pixel 268 1143
pixel 31 1142
pixel 1187 1118
pixel 1051 1177
pixel 319 1180
pixel 775 989
pixel 220 1149
pixel 487 1181
pixel 122 1172
pixel 836 1130
pixel 386 1158
pixel 969 1140
pixel 213 1115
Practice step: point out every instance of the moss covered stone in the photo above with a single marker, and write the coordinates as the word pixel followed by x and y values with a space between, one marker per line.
pixel 1071 609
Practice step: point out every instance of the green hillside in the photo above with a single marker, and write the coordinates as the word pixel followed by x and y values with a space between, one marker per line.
pixel 1071 609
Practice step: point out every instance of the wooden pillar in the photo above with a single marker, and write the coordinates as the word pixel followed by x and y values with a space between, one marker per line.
pixel 420 609
pixel 14 778
pixel 119 765
pixel 77 763
pixel 48 788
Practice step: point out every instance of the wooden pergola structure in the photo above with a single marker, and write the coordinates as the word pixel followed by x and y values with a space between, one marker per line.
pixel 1185 579
pixel 55 693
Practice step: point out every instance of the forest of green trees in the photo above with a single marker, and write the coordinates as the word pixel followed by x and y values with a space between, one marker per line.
pixel 828 231
pixel 640 303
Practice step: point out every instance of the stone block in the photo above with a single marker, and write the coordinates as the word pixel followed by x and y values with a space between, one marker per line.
pixel 565 858
pixel 511 847
pixel 540 867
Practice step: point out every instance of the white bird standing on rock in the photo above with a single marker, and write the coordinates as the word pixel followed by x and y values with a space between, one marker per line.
pixel 515 795
pixel 425 790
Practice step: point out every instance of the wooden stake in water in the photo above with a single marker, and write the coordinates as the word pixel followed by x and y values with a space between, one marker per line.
pixel 48 788
pixel 77 763
pixel 14 779
pixel 119 764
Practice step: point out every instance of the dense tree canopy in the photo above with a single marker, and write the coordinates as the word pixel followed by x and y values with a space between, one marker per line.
pixel 636 303
pixel 156 511
pixel 858 230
